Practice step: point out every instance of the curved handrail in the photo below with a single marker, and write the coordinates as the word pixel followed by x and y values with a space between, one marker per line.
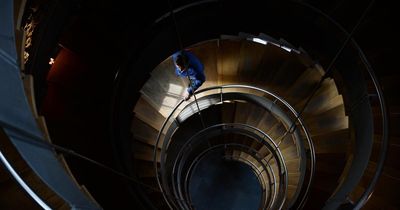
pixel 384 140
pixel 265 136
pixel 23 184
pixel 259 173
pixel 203 154
pixel 270 176
pixel 277 98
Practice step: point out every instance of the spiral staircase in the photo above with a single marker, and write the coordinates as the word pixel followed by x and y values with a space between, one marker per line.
pixel 312 139
pixel 239 105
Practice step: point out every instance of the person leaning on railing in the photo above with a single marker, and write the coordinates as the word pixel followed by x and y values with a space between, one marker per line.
pixel 188 65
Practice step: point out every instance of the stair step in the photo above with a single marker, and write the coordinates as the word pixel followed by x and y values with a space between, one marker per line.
pixel 332 142
pixel 228 59
pixel 276 131
pixel 162 102
pixel 318 107
pixel 145 133
pixel 267 121
pixel 148 114
pixel 255 115
pixel 288 72
pixel 303 86
pixel 293 165
pixel 256 145
pixel 242 112
pixel 145 152
pixel 286 142
pixel 273 58
pixel 236 153
pixel 329 121
pixel 293 178
pixel 250 57
pixel 290 153
pixel 263 151
pixel 254 161
pixel 164 75
pixel 325 92
pixel 291 191
pixel 164 89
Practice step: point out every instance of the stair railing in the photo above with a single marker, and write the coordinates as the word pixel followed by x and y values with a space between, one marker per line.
pixel 298 127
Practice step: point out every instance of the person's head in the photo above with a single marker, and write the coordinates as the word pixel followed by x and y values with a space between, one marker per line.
pixel 182 61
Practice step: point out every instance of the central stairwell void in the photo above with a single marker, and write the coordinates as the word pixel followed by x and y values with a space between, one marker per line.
pixel 247 112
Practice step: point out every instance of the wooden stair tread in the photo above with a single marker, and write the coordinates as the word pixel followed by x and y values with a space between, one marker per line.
pixel 145 112
pixel 241 112
pixel 228 59
pixel 267 121
pixel 326 92
pixel 332 120
pixel 317 107
pixel 145 133
pixel 145 152
pixel 332 142
pixel 250 57
pixel 303 86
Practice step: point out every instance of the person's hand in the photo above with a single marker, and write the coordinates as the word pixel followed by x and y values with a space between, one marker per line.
pixel 186 96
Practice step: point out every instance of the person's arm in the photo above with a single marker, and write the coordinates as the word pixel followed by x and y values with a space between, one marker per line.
pixel 194 86
pixel 177 71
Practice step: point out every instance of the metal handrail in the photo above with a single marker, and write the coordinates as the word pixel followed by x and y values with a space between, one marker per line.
pixel 384 140
pixel 22 183
pixel 258 174
pixel 203 154
pixel 231 125
pixel 265 92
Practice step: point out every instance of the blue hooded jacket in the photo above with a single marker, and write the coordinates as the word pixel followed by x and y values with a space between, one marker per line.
pixel 195 70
